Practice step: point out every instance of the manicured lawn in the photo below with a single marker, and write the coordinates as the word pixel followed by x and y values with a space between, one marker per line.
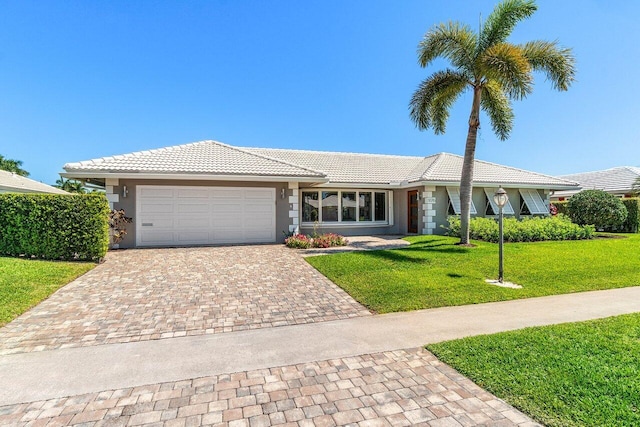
pixel 575 374
pixel 24 283
pixel 434 272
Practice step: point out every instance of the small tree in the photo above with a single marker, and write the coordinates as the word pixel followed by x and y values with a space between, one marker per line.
pixel 597 207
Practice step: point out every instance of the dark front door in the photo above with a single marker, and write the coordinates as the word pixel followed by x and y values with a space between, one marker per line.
pixel 413 211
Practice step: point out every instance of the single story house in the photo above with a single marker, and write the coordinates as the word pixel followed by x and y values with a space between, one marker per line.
pixel 13 183
pixel 212 193
pixel 617 181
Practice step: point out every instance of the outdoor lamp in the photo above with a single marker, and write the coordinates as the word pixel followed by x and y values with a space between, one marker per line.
pixel 501 198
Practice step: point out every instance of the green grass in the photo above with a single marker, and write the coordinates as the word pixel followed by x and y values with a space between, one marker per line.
pixel 434 272
pixel 575 374
pixel 24 283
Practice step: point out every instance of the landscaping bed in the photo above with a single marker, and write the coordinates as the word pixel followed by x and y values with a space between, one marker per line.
pixel 24 283
pixel 575 374
pixel 435 272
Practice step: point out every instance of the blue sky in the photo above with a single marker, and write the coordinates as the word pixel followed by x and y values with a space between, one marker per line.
pixel 86 79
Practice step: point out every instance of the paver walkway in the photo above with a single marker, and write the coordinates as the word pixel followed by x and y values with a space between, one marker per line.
pixel 148 294
pixel 398 388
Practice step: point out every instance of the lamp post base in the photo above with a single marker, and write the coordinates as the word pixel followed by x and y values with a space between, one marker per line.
pixel 503 284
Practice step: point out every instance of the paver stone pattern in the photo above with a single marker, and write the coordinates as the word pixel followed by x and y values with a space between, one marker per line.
pixel 400 388
pixel 146 294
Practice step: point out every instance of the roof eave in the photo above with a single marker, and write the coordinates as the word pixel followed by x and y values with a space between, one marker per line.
pixel 191 176
pixel 495 184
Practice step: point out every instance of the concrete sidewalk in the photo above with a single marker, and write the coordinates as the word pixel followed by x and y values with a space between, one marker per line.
pixel 74 371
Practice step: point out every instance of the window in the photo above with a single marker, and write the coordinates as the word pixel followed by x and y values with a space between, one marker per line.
pixel 364 206
pixel 454 201
pixel 348 206
pixel 493 207
pixel 534 203
pixel 381 207
pixel 310 206
pixel 329 206
pixel 345 206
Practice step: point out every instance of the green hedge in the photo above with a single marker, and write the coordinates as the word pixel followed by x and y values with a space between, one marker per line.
pixel 632 223
pixel 54 226
pixel 528 230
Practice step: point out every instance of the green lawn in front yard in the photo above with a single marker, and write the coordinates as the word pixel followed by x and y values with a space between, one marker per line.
pixel 24 283
pixel 574 374
pixel 434 272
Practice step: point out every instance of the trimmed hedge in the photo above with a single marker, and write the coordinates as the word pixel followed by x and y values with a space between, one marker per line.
pixel 528 230
pixel 632 223
pixel 54 226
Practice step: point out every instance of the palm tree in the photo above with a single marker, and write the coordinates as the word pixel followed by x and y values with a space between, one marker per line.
pixel 495 70
pixel 14 166
pixel 70 185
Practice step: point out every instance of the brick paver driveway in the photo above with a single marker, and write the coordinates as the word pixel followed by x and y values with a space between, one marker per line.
pixel 399 388
pixel 162 293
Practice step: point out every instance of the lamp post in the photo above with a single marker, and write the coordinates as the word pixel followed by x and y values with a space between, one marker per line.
pixel 501 198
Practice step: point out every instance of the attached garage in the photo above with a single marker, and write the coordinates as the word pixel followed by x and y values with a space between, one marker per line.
pixel 184 215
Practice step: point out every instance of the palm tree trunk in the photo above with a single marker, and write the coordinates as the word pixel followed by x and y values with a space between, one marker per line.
pixel 466 180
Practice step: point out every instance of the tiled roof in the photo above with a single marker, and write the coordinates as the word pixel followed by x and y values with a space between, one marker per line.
pixel 377 169
pixel 10 182
pixel 215 158
pixel 347 167
pixel 448 168
pixel 614 180
pixel 204 157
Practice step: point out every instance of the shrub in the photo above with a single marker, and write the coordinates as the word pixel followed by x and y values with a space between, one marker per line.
pixel 54 226
pixel 528 230
pixel 298 241
pixel 632 223
pixel 598 208
pixel 118 224
pixel 329 240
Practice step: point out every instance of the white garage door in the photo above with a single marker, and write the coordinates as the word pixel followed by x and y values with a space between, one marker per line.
pixel 176 216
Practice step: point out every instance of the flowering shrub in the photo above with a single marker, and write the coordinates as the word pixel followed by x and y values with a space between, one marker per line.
pixel 327 240
pixel 298 241
pixel 535 229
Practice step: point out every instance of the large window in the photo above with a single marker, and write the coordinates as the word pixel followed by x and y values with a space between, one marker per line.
pixel 329 206
pixel 344 206
pixel 310 206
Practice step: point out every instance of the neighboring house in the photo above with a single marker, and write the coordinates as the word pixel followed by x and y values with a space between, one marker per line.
pixel 209 193
pixel 13 183
pixel 617 181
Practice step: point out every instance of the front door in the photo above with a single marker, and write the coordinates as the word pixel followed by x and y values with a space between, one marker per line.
pixel 413 211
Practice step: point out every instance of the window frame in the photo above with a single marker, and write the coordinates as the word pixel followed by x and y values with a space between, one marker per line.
pixel 347 223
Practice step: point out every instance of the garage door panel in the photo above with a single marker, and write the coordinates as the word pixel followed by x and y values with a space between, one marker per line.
pixel 192 237
pixel 157 208
pixel 156 192
pixel 157 222
pixel 199 222
pixel 193 193
pixel 187 208
pixel 156 237
pixel 205 215
pixel 227 193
